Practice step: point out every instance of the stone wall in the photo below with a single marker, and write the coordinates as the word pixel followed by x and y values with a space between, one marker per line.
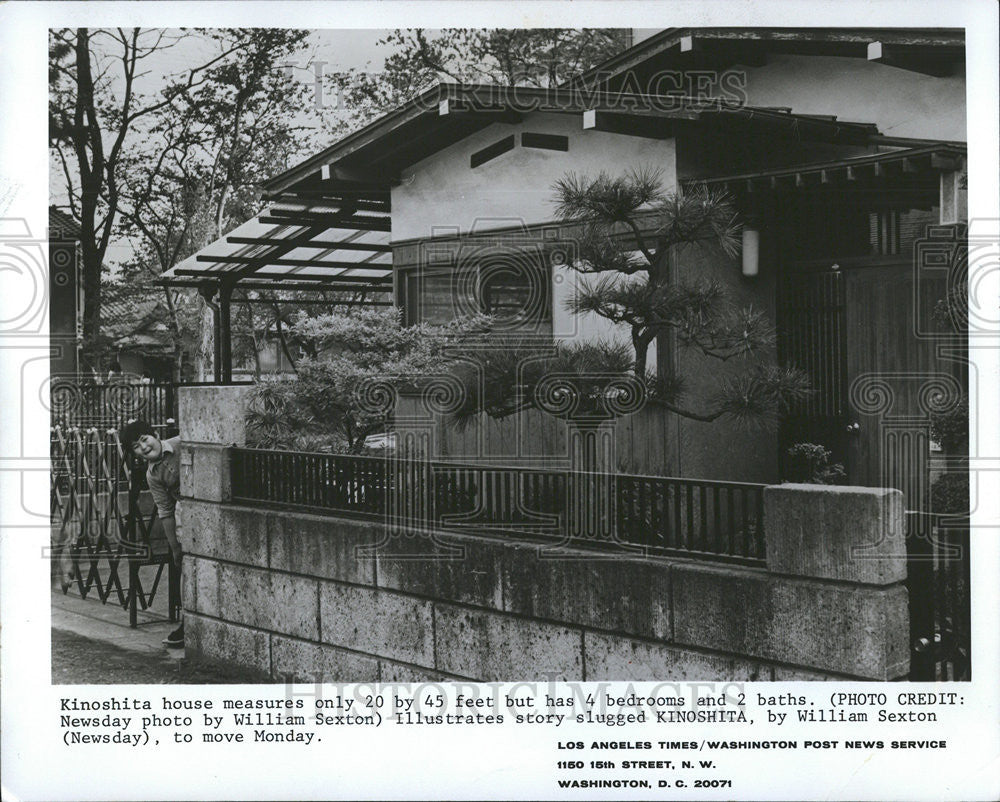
pixel 325 598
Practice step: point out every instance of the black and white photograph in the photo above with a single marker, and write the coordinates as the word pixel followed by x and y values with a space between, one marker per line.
pixel 387 369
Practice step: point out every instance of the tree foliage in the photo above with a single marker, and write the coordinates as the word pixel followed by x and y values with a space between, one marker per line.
pixel 631 238
pixel 419 58
pixel 634 237
pixel 167 162
pixel 950 426
pixel 810 463
pixel 97 111
pixel 506 374
pixel 345 390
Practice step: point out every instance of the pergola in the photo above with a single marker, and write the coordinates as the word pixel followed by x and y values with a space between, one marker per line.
pixel 334 238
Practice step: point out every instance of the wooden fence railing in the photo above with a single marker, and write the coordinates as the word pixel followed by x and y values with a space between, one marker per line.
pixel 689 517
pixel 85 403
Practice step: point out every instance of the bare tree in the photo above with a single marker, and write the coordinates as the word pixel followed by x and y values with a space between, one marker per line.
pixel 96 109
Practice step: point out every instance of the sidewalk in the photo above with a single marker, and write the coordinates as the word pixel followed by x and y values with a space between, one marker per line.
pixel 92 644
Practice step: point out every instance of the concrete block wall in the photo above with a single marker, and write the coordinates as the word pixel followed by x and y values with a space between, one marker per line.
pixel 291 594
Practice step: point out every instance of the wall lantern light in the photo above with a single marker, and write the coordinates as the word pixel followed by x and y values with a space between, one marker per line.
pixel 751 250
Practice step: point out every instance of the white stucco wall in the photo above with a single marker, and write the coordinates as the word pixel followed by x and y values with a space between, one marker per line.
pixel 900 102
pixel 442 194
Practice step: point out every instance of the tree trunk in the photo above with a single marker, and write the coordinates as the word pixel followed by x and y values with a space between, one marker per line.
pixel 640 342
pixel 279 329
pixel 91 179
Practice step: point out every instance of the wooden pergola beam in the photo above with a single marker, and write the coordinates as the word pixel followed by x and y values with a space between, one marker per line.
pixel 312 301
pixel 688 44
pixel 290 286
pixel 312 284
pixel 278 262
pixel 301 242
pixel 945 163
pixel 911 58
pixel 628 125
pixel 362 177
pixel 912 163
pixel 327 221
pixel 658 123
pixel 320 197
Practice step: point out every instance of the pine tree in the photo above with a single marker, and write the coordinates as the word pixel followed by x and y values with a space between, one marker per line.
pixel 632 237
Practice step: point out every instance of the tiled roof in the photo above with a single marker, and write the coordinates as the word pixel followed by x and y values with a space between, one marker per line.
pixel 62 226
pixel 126 312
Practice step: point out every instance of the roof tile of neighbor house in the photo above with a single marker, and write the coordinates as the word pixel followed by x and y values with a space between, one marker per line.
pixel 62 226
pixel 131 320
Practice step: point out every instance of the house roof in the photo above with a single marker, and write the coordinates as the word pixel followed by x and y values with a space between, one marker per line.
pixel 367 162
pixel 62 226
pixel 124 307
pixel 328 224
pixel 133 318
pixel 935 51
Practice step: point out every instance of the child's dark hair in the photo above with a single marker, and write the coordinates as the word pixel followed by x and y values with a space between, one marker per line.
pixel 133 430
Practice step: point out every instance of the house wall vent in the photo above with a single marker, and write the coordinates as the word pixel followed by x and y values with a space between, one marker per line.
pixel 492 151
pixel 544 141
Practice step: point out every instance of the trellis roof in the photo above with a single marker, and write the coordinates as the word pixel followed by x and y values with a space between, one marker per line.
pixel 300 242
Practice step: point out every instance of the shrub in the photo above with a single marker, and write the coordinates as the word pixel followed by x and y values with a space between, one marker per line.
pixel 950 494
pixel 345 390
pixel 951 427
pixel 810 463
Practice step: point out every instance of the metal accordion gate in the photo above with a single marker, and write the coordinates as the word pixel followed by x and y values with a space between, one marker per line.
pixel 103 524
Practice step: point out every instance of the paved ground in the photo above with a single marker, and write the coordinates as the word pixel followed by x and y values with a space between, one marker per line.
pixel 92 643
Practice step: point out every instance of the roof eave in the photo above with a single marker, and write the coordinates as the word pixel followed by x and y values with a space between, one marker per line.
pixel 479 99
pixel 671 37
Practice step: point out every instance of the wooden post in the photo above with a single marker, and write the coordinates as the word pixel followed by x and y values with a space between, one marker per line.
pixel 225 333
pixel 208 291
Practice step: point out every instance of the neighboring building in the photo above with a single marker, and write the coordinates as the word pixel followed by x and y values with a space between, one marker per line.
pixel 840 147
pixel 65 293
pixel 139 338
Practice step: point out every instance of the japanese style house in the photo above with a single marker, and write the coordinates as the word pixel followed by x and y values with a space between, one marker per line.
pixel 843 149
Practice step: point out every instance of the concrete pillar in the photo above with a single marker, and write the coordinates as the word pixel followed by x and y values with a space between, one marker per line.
pixel 852 534
pixel 211 422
